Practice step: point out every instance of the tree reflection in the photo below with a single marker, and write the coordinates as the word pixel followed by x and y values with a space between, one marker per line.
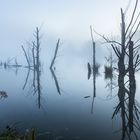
pixel 34 67
pixel 93 69
pixel 52 68
pixel 56 81
pixel 127 53
pixel 110 76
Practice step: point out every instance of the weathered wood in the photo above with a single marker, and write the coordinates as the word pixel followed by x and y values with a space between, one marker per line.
pixel 26 56
pixel 55 53
pixel 94 63
pixel 132 87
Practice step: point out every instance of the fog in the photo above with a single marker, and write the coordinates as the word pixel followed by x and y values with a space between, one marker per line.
pixel 58 98
pixel 67 20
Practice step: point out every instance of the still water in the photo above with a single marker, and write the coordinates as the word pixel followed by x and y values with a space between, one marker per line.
pixel 73 113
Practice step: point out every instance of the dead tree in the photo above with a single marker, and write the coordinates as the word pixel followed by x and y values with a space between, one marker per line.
pixel 52 70
pixel 55 54
pixel 94 64
pixel 26 56
pixel 37 36
pixel 37 65
pixel 127 48
pixel 93 44
pixel 132 86
pixel 34 65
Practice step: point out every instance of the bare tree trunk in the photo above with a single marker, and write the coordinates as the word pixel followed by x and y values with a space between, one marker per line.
pixel 26 56
pixel 38 71
pixel 132 86
pixel 55 54
pixel 121 68
pixel 37 49
pixel 34 64
pixel 94 64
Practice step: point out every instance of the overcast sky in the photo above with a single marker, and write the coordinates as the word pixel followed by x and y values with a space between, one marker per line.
pixel 67 19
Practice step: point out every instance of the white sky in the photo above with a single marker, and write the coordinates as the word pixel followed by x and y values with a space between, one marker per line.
pixel 67 19
pixel 62 16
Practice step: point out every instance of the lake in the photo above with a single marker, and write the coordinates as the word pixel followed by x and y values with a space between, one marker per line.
pixel 73 113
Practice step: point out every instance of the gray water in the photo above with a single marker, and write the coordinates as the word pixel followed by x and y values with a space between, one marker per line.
pixel 69 114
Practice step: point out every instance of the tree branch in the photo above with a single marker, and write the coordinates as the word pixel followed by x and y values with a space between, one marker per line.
pixel 132 17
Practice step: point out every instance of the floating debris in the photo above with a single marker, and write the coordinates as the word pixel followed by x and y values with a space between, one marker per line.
pixel 87 97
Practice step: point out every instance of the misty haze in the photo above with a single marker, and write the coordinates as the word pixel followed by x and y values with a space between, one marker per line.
pixel 70 70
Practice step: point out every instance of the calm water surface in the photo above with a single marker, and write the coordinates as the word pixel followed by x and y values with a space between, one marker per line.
pixel 69 113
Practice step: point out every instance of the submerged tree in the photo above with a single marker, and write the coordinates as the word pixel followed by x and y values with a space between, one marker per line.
pixel 94 68
pixel 32 54
pixel 52 68
pixel 55 54
pixel 34 65
pixel 127 49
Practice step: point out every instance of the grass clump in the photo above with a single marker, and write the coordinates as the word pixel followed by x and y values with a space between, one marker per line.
pixel 13 134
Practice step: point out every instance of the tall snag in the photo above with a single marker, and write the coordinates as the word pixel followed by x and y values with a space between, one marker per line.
pixel 55 54
pixel 95 66
pixel 26 56
pixel 52 70
pixel 125 50
pixel 34 65
pixel 132 86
